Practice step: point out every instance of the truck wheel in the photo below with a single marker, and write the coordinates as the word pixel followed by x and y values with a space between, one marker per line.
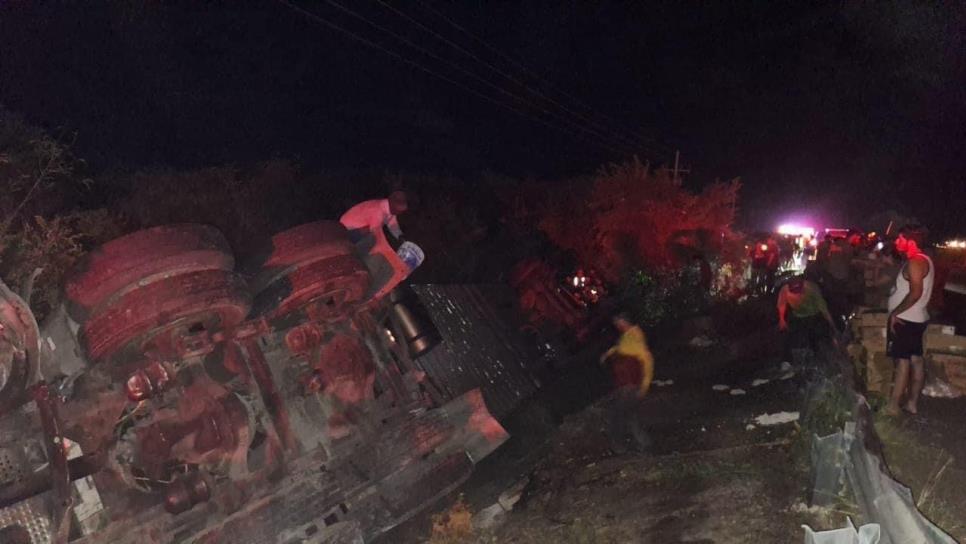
pixel 120 263
pixel 296 247
pixel 209 300
pixel 311 267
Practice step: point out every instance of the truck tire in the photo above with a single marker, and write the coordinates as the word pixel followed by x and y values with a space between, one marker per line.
pixel 296 247
pixel 312 267
pixel 212 300
pixel 121 263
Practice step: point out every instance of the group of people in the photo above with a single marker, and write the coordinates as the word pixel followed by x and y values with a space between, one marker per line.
pixel 766 257
pixel 806 315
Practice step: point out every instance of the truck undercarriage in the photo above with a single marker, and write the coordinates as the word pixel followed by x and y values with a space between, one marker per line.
pixel 178 398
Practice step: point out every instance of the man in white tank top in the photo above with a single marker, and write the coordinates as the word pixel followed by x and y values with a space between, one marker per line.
pixel 908 318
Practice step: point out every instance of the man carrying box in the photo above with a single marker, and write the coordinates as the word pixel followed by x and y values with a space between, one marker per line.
pixel 908 318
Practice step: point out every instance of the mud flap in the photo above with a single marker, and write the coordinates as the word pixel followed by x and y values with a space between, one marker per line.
pixel 478 433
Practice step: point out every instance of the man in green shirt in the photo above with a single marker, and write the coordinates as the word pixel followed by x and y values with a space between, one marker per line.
pixel 803 313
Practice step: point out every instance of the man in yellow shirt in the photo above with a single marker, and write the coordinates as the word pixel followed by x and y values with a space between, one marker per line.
pixel 632 370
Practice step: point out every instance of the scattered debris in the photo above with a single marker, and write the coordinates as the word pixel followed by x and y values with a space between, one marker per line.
pixel 737 391
pixel 786 366
pixel 937 388
pixel 489 517
pixel 662 383
pixel 788 375
pixel 720 387
pixel 870 533
pixel 511 496
pixel 776 419
pixel 802 508
pixel 701 342
pixel 750 427
pixel 759 381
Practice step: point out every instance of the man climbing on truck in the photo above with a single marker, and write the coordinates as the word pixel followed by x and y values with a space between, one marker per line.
pixel 365 220
pixel 387 265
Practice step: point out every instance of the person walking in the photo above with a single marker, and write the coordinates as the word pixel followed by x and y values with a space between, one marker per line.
pixel 632 370
pixel 908 318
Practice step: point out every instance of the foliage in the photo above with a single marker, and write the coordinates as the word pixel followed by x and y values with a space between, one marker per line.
pixel 244 204
pixel 657 297
pixel 34 169
pixel 52 247
pixel 630 217
pixel 41 227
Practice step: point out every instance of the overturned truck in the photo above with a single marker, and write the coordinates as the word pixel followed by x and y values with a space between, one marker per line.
pixel 176 397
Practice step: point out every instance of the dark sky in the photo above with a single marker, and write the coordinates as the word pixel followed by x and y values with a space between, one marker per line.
pixel 835 110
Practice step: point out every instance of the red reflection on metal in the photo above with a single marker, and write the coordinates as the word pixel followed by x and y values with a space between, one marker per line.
pixel 346 369
pixel 148 381
pixel 204 430
pixel 325 288
pixel 186 492
pixel 540 298
pixel 480 420
pixel 308 242
pixel 311 382
pixel 303 339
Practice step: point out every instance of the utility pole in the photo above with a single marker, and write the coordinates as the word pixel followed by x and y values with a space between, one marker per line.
pixel 677 169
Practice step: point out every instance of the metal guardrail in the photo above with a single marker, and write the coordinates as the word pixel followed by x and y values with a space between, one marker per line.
pixel 851 460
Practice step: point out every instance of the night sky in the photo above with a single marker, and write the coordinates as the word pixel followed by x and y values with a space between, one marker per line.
pixel 828 110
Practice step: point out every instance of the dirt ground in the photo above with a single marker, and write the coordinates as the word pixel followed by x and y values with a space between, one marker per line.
pixel 713 475
pixel 927 453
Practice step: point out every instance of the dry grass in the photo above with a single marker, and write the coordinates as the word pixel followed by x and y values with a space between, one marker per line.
pixel 453 526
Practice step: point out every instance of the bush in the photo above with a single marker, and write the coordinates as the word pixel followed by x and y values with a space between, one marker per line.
pixel 629 217
pixel 42 229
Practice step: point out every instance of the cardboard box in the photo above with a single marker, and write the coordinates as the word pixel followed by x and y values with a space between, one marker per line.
pixel 939 328
pixel 951 368
pixel 935 365
pixel 874 332
pixel 855 326
pixel 878 373
pixel 945 343
pixel 857 357
pixel 875 345
pixel 875 319
pixel 874 339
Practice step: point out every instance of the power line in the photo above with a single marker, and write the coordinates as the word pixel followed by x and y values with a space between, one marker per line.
pixel 614 140
pixel 433 73
pixel 532 74
pixel 503 73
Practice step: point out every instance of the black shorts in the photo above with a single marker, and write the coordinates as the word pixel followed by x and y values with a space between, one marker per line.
pixel 906 342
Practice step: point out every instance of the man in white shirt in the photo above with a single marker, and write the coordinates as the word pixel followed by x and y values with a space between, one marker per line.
pixel 908 318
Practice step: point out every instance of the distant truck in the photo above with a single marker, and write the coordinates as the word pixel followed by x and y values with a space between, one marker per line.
pixel 176 397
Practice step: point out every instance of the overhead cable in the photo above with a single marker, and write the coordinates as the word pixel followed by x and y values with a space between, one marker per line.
pixel 520 66
pixel 365 41
pixel 612 139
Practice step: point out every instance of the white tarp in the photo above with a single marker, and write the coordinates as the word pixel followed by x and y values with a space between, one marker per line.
pixel 867 534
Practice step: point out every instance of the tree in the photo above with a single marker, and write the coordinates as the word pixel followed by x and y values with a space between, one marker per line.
pixel 629 216
pixel 42 231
